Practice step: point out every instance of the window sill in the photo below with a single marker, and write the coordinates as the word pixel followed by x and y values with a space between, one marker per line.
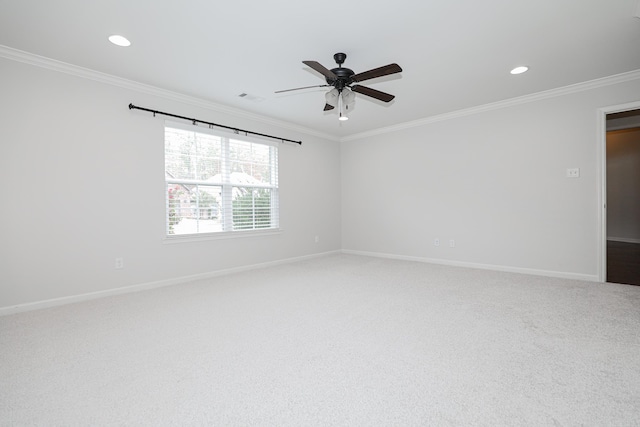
pixel 185 238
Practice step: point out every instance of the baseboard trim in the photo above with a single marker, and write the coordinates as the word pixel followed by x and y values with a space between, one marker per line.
pixel 31 306
pixel 623 240
pixel 493 267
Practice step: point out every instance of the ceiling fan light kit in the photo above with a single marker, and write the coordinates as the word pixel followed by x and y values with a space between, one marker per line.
pixel 344 100
pixel 342 79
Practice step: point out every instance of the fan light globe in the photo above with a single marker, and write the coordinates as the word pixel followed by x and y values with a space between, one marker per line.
pixel 348 97
pixel 332 97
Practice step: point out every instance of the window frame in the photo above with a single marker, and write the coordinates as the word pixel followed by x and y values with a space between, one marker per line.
pixel 226 186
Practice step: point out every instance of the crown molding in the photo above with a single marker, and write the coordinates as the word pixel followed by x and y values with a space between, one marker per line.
pixel 552 93
pixel 86 73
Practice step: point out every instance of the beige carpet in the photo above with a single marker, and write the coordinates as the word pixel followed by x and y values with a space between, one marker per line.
pixel 340 340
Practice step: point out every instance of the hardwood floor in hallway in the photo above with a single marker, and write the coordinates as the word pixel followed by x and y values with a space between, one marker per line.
pixel 623 263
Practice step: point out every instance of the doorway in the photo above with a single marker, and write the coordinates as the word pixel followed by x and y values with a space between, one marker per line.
pixel 622 197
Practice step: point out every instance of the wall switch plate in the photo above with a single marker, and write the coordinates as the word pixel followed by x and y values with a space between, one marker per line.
pixel 452 243
pixel 436 242
pixel 317 239
pixel 119 263
pixel 573 172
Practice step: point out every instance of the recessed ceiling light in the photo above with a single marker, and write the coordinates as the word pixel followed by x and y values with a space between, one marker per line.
pixel 519 70
pixel 119 40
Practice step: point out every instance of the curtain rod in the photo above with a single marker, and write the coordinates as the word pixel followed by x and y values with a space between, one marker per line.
pixel 194 121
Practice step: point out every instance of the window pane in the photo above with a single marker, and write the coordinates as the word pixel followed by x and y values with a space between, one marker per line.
pixel 251 208
pixel 192 155
pixel 252 160
pixel 193 209
pixel 178 206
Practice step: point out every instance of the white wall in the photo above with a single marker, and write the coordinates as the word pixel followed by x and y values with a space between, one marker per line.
pixel 623 185
pixel 82 183
pixel 81 178
pixel 494 181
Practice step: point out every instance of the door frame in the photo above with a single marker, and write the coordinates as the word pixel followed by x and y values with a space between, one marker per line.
pixel 601 155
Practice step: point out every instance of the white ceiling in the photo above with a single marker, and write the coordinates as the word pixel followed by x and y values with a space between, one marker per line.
pixel 454 54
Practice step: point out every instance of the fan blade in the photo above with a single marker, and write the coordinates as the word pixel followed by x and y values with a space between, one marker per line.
pixel 328 107
pixel 377 72
pixel 298 88
pixel 382 96
pixel 321 69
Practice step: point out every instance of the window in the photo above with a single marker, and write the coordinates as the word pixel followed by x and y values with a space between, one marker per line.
pixel 218 182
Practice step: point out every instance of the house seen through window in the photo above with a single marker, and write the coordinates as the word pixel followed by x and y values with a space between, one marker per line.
pixel 218 182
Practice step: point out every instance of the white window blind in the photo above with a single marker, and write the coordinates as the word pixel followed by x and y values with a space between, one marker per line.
pixel 218 182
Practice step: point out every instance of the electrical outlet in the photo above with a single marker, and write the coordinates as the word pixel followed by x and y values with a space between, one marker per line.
pixel 573 173
pixel 317 239
pixel 119 263
pixel 436 242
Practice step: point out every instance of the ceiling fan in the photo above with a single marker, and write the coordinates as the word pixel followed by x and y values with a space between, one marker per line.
pixel 343 81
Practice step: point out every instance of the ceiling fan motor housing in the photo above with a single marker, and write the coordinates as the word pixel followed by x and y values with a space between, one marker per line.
pixel 344 77
pixel 344 74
